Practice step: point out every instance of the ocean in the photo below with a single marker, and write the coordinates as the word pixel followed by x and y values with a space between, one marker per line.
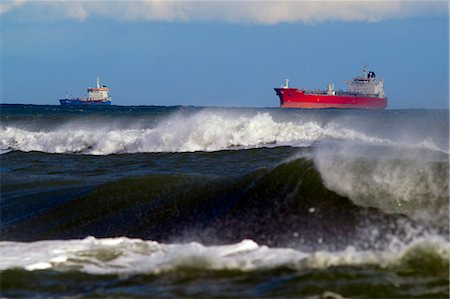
pixel 139 202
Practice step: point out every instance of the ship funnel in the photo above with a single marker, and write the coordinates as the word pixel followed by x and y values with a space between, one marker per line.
pixel 330 89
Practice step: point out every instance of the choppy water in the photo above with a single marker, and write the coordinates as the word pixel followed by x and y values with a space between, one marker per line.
pixel 223 202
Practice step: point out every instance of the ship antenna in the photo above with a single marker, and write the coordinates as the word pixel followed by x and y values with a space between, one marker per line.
pixel 98 82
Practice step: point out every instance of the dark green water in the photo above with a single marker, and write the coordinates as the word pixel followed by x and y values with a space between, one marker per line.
pixel 221 202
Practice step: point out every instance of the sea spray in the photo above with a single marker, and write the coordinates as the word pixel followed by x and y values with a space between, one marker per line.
pixel 395 180
pixel 123 255
pixel 214 202
pixel 204 130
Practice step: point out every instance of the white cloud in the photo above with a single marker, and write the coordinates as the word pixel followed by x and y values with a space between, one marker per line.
pixel 258 12
pixel 9 5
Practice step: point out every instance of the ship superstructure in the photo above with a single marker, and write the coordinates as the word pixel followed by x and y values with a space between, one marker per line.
pixel 98 95
pixel 364 92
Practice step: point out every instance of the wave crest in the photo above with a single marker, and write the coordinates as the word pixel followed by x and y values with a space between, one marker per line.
pixel 206 130
pixel 414 183
pixel 123 255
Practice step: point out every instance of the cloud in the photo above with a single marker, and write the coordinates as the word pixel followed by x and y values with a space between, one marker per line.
pixel 9 5
pixel 254 12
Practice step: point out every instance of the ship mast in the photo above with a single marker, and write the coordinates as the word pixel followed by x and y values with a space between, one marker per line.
pixel 98 82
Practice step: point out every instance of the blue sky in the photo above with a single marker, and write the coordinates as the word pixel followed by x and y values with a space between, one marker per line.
pixel 221 53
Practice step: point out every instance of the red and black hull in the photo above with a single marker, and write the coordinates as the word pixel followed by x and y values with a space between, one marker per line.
pixel 296 98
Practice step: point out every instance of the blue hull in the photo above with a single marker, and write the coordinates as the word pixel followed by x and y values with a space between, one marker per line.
pixel 79 102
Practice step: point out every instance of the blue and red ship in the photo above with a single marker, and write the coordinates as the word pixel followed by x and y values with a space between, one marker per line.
pixel 96 96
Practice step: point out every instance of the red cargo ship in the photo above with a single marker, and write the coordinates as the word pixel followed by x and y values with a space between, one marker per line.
pixel 364 92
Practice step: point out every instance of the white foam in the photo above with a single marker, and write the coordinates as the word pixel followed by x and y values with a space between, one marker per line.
pixel 394 180
pixel 206 130
pixel 4 151
pixel 123 255
pixel 200 132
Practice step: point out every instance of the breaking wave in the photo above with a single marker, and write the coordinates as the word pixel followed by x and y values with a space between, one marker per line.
pixel 167 201
pixel 414 183
pixel 295 196
pixel 133 256
pixel 205 130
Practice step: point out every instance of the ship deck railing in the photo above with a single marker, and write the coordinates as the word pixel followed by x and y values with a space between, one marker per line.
pixel 342 93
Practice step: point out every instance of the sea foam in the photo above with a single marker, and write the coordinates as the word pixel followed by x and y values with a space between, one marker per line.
pixel 395 180
pixel 136 256
pixel 205 130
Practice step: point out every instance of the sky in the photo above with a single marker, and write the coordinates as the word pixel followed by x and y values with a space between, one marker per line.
pixel 221 53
